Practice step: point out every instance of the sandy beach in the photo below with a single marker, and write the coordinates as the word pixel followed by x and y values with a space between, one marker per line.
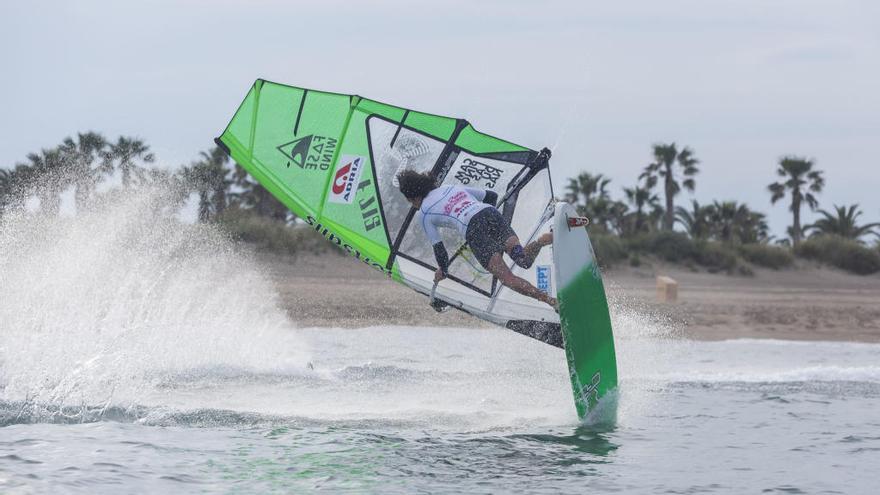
pixel 805 303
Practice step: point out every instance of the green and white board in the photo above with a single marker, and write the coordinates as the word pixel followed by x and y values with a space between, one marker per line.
pixel 586 324
pixel 332 160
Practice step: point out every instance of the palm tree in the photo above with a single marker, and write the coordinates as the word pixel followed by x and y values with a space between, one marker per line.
pixel 843 223
pixel 605 214
pixel 752 228
pixel 174 192
pixel 80 156
pixel 14 184
pixel 640 197
pixel 802 181
pixel 45 172
pixel 665 158
pixel 730 221
pixel 614 217
pixel 656 216
pixel 208 178
pixel 586 185
pixel 215 162
pixel 195 178
pixel 126 151
pixel 7 188
pixel 252 195
pixel 696 221
pixel 725 217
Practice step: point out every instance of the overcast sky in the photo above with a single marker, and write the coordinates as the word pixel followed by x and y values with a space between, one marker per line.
pixel 741 82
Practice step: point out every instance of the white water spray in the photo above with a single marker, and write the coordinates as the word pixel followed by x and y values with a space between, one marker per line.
pixel 104 307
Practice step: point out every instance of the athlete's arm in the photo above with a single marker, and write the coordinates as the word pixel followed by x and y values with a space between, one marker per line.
pixel 434 238
pixel 442 258
pixel 430 229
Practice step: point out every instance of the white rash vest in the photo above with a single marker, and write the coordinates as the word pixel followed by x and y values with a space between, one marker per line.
pixel 450 206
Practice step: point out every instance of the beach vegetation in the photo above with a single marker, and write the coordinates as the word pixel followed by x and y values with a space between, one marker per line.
pixel 766 255
pixel 609 248
pixel 209 178
pixel 847 254
pixel 696 221
pixel 732 222
pixel 585 188
pixel 127 155
pixel 843 223
pixel 673 169
pixel 267 234
pixel 88 161
pixel 801 183
pixel 647 208
pixel 641 226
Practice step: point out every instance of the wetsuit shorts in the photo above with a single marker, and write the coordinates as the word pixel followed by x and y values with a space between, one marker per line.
pixel 486 234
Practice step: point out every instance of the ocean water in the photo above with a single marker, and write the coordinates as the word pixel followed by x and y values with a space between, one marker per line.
pixel 139 355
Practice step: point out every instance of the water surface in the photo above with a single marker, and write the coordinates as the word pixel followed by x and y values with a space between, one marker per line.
pixel 404 410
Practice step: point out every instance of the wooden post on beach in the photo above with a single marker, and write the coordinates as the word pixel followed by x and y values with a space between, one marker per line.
pixel 667 289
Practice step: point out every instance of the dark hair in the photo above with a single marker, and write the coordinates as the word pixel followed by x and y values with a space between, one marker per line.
pixel 416 185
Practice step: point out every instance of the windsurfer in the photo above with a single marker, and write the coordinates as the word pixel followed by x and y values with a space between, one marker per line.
pixel 472 212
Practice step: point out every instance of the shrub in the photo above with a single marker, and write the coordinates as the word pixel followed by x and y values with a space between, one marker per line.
pixel 640 243
pixel 608 248
pixel 768 256
pixel 842 253
pixel 673 246
pixel 669 246
pixel 677 247
pixel 715 256
pixel 271 235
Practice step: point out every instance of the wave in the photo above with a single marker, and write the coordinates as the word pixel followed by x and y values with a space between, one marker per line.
pixel 857 374
pixel 111 304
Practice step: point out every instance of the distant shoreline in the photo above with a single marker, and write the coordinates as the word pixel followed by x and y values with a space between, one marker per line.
pixel 807 303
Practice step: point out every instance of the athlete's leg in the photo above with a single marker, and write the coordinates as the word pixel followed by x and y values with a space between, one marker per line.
pixel 525 256
pixel 508 279
pixel 511 243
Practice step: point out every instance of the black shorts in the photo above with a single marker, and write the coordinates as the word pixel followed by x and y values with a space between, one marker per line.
pixel 486 234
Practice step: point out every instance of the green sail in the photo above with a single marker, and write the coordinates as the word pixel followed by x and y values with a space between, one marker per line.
pixel 312 150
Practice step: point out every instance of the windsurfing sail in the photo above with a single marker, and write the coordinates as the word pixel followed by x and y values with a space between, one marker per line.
pixel 333 159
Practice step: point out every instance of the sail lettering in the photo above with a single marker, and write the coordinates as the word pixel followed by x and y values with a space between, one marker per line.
pixel 474 171
pixel 369 208
pixel 348 248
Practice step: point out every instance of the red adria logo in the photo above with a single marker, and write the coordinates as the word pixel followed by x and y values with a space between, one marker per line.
pixel 344 186
pixel 341 179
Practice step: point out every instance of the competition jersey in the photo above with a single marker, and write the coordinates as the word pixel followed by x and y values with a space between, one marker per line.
pixel 450 206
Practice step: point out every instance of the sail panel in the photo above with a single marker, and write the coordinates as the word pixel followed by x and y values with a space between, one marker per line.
pixel 241 125
pixel 395 148
pixel 530 220
pixel 390 112
pixel 437 126
pixel 478 142
pixel 302 158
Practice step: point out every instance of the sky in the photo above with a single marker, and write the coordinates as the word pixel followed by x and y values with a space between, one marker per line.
pixel 740 82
